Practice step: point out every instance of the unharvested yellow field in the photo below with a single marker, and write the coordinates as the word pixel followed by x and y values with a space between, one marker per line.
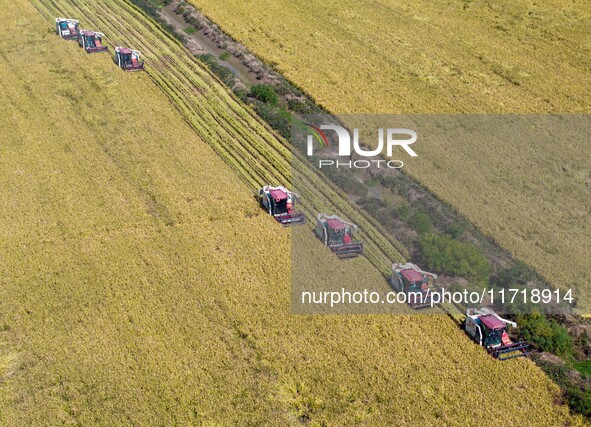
pixel 142 285
pixel 417 56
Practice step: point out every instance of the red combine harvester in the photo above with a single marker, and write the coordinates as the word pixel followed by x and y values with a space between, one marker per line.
pixel 128 59
pixel 489 330
pixel 414 282
pixel 280 203
pixel 338 236
pixel 92 42
pixel 66 28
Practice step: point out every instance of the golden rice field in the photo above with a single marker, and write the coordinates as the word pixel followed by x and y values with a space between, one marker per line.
pixel 247 145
pixel 142 285
pixel 460 56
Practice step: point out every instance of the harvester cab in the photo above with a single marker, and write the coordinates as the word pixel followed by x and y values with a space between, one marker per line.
pixel 338 235
pixel 66 28
pixel 490 330
pixel 279 202
pixel 128 59
pixel 92 42
pixel 415 283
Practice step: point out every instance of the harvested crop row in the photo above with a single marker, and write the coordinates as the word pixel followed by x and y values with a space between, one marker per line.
pixel 249 147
